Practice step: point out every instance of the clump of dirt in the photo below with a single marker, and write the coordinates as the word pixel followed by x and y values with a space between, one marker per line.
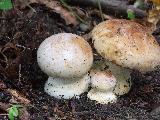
pixel 20 36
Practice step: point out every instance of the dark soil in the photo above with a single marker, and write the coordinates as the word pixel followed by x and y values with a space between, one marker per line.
pixel 20 37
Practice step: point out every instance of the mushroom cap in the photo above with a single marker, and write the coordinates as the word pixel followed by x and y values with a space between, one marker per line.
pixel 65 55
pixel 127 44
pixel 64 88
pixel 103 84
pixel 102 97
pixel 102 80
pixel 121 74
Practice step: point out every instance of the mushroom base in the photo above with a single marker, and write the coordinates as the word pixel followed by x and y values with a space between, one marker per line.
pixel 102 97
pixel 66 88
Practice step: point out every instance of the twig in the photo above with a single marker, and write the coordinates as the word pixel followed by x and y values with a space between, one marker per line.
pixel 114 7
pixel 73 13
pixel 4 114
pixel 32 8
pixel 19 73
pixel 100 9
pixel 21 46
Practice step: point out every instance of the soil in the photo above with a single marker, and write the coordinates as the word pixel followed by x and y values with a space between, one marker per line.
pixel 20 36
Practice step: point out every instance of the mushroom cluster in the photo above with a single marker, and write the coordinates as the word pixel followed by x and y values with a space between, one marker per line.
pixel 124 46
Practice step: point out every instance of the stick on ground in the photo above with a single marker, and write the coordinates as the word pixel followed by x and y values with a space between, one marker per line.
pixel 115 7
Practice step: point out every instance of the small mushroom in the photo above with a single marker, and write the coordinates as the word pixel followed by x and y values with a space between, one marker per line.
pixel 121 74
pixel 66 58
pixel 102 86
pixel 127 44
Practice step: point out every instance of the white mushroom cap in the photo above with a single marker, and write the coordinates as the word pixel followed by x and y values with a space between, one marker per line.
pixel 64 88
pixel 127 44
pixel 103 84
pixel 102 80
pixel 122 75
pixel 65 55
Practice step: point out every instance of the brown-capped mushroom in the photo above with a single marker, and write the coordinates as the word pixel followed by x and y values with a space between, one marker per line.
pixel 127 44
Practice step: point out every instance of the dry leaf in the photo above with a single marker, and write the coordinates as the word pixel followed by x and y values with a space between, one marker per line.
pixel 19 97
pixel 154 16
pixel 157 2
pixel 53 5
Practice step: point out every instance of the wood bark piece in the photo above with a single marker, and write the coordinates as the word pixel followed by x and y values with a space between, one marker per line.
pixel 114 7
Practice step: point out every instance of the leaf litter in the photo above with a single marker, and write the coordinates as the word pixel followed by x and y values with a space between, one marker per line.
pixel 54 5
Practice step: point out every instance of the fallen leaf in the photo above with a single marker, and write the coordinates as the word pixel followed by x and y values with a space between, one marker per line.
pixel 157 2
pixel 18 96
pixel 154 16
pixel 154 13
pixel 53 5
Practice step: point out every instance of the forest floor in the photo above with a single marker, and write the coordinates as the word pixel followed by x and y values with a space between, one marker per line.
pixel 22 81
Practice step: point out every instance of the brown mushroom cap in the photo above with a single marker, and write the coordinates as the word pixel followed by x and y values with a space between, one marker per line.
pixel 127 44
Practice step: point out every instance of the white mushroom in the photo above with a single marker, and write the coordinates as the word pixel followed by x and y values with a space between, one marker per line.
pixel 122 75
pixel 127 44
pixel 65 56
pixel 103 84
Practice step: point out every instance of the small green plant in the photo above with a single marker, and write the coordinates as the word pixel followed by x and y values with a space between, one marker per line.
pixel 6 4
pixel 13 111
pixel 131 14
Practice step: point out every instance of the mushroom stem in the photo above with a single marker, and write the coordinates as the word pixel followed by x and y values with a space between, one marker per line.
pixel 122 76
pixel 102 97
pixel 66 88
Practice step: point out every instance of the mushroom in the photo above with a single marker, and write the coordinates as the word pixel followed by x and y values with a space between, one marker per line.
pixel 65 58
pixel 102 86
pixel 125 44
pixel 121 74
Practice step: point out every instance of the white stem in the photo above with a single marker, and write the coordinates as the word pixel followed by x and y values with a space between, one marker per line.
pixel 102 97
pixel 66 88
